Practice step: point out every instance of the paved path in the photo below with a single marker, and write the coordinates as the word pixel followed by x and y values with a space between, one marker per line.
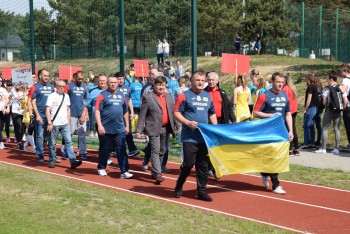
pixel 329 160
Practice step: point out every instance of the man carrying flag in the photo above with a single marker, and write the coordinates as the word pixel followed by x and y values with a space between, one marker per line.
pixel 270 103
pixel 192 107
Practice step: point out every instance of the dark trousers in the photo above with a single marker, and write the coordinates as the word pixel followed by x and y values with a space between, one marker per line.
pixel 6 123
pixel 317 120
pixel 195 154
pixel 18 126
pixel 106 142
pixel 346 118
pixel 274 179
pixel 160 57
pixel 2 119
pixel 158 149
pixel 295 133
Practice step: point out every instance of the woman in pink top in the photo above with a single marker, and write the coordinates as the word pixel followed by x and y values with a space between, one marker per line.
pixel 291 91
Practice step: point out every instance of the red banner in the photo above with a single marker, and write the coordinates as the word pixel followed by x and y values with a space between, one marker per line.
pixel 235 64
pixel 141 68
pixel 6 73
pixel 66 72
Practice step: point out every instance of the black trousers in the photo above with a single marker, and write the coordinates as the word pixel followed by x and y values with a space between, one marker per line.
pixel 18 126
pixel 195 154
pixel 274 179
pixel 346 118
pixel 295 133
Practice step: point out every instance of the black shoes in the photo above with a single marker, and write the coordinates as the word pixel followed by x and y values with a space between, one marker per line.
pixel 178 191
pixel 51 164
pixel 76 164
pixel 204 197
pixel 166 170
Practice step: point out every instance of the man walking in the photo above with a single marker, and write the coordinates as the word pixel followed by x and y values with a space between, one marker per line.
pixel 192 107
pixel 58 117
pixel 156 116
pixel 274 102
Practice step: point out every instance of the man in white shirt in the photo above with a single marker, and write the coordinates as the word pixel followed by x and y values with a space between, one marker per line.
pixel 160 53
pixel 58 118
pixel 166 49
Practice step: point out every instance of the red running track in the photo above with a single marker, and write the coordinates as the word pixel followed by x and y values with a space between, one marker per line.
pixel 305 208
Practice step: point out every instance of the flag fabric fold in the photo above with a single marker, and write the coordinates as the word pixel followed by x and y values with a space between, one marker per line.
pixel 255 146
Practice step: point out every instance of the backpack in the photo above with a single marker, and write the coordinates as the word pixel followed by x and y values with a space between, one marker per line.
pixel 320 99
pixel 336 98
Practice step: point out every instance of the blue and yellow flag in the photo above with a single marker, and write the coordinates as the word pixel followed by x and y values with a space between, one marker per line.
pixel 255 146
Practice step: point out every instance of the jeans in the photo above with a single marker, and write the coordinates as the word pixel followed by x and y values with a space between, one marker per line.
pixel 52 139
pixel 106 142
pixel 317 120
pixel 80 130
pixel 309 130
pixel 295 133
pixel 39 136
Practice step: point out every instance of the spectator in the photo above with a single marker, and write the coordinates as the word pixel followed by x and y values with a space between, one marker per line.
pixel 166 49
pixel 269 104
pixel 156 117
pixel 257 45
pixel 310 111
pixel 128 80
pixel 238 41
pixel 184 85
pixel 38 95
pixel 194 149
pixel 112 120
pixel 58 118
pixel 173 84
pixel 180 71
pixel 241 99
pixel 345 88
pixel 252 88
pixel 160 52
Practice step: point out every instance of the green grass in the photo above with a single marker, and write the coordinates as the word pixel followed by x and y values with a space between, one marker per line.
pixel 33 202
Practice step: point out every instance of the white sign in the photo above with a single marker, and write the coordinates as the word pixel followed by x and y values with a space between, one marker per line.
pixel 22 77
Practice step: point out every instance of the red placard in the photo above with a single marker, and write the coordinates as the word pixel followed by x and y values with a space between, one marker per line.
pixel 6 73
pixel 27 66
pixel 235 64
pixel 141 68
pixel 66 72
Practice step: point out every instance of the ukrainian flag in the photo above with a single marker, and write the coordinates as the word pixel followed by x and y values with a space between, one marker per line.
pixel 255 146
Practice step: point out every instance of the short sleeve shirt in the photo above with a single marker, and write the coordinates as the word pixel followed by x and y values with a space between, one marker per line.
pixel 41 92
pixel 314 99
pixel 126 91
pixel 112 107
pixel 271 103
pixel 346 81
pixel 77 95
pixel 54 101
pixel 194 107
pixel 3 95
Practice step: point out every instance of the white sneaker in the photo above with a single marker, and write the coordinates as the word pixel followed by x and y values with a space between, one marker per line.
pixel 265 181
pixel 279 190
pixel 321 151
pixel 62 149
pixel 102 172
pixel 126 175
pixel 335 151
pixel 34 150
pixel 2 145
pixel 8 140
pixel 24 138
pixel 109 162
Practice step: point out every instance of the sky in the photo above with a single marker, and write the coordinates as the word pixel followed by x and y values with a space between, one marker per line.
pixel 21 6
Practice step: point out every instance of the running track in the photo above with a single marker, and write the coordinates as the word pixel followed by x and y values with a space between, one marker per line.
pixel 305 208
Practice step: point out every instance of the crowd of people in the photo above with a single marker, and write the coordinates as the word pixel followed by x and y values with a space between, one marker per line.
pixel 170 102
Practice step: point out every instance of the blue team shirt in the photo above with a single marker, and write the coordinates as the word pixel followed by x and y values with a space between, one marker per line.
pixel 77 95
pixel 135 92
pixel 91 98
pixel 194 107
pixel 126 91
pixel 41 92
pixel 112 107
pixel 128 81
pixel 271 102
pixel 173 85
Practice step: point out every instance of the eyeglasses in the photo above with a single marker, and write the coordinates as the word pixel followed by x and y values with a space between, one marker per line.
pixel 61 86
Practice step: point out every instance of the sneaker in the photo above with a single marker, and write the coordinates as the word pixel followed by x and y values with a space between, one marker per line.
pixel 296 152
pixel 51 164
pixel 76 164
pixel 25 147
pixel 279 190
pixel 113 154
pixel 321 151
pixel 109 162
pixel 305 147
pixel 133 153
pixel 126 175
pixel 265 181
pixel 20 146
pixel 335 151
pixel 204 197
pixel 159 179
pixel 34 150
pixel 291 153
pixel 347 147
pixel 24 138
pixel 84 156
pixel 145 167
pixel 8 139
pixel 2 145
pixel 41 160
pixel 166 170
pixel 102 172
pixel 178 191
pixel 57 159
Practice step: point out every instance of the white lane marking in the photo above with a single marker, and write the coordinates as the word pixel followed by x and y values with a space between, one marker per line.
pixel 156 197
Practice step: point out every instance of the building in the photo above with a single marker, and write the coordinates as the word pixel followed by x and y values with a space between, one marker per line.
pixel 10 48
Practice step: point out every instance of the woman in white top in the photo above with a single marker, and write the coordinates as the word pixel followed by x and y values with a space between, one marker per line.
pixel 3 103
pixel 16 95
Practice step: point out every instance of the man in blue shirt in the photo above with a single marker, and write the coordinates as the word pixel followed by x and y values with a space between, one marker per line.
pixel 38 95
pixel 192 107
pixel 112 120
pixel 274 102
pixel 77 92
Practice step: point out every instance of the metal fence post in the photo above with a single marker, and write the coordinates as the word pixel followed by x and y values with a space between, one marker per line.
pixel 336 34
pixel 194 34
pixel 121 37
pixel 31 25
pixel 320 42
pixel 302 30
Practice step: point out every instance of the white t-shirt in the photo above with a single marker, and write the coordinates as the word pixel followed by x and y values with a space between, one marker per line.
pixel 17 98
pixel 166 47
pixel 54 100
pixel 346 81
pixel 160 48
pixel 3 95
